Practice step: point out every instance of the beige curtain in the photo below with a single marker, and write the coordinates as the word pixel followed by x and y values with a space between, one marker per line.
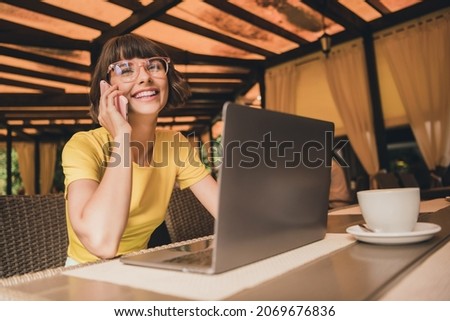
pixel 47 166
pixel 347 77
pixel 281 84
pixel 419 58
pixel 25 155
pixel 47 160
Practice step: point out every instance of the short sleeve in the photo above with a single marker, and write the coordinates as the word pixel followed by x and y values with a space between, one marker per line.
pixel 82 158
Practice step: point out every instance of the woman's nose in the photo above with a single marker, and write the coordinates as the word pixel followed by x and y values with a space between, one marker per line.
pixel 144 75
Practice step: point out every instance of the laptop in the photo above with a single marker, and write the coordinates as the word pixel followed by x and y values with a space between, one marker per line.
pixel 274 181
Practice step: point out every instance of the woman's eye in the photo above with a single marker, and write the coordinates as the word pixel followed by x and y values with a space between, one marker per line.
pixel 126 71
pixel 154 67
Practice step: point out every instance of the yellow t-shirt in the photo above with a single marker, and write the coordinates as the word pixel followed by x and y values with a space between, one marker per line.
pixel 174 160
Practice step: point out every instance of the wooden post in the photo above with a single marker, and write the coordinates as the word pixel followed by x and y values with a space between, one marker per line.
pixel 8 160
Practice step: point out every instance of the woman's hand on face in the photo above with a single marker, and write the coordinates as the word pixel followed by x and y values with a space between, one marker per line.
pixel 110 116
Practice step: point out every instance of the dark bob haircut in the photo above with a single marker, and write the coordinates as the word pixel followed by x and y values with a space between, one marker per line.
pixel 131 46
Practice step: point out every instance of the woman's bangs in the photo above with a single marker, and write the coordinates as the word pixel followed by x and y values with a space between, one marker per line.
pixel 133 48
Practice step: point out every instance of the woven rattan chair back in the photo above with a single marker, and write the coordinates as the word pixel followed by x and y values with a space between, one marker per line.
pixel 33 233
pixel 387 180
pixel 186 217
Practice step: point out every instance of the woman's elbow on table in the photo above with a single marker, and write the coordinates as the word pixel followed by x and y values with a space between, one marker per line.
pixel 102 246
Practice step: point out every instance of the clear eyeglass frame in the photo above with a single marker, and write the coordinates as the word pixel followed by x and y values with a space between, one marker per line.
pixel 128 70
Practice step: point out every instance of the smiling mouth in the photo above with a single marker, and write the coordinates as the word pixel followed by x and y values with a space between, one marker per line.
pixel 144 94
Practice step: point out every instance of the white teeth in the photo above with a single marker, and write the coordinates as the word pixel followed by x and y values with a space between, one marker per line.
pixel 145 94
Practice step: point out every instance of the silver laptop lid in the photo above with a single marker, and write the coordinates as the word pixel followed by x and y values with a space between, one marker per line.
pixel 274 184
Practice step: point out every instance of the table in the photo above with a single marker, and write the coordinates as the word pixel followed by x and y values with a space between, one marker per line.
pixel 357 272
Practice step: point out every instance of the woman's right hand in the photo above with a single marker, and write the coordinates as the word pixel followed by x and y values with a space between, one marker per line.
pixel 110 116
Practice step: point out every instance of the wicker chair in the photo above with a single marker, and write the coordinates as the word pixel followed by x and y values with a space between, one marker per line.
pixel 33 233
pixel 186 217
pixel 387 180
pixel 408 180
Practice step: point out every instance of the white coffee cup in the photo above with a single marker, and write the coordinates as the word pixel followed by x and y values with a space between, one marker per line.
pixel 393 210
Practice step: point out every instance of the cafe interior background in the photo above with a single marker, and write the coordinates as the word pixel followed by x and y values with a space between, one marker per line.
pixel 378 69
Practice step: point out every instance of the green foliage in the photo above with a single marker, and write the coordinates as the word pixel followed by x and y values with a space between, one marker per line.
pixel 17 185
pixel 58 180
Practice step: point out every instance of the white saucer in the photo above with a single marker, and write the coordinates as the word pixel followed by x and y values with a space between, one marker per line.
pixel 422 232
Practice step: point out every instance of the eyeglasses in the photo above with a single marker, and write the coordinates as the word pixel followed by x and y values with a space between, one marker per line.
pixel 128 70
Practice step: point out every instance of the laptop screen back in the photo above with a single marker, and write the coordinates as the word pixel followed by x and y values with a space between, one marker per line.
pixel 274 182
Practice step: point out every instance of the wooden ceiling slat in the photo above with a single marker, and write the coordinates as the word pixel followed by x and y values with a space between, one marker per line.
pixel 42 59
pixel 205 122
pixel 42 75
pixel 188 58
pixel 65 99
pixel 49 126
pixel 190 112
pixel 23 84
pixel 182 57
pixel 51 115
pixel 18 34
pixel 129 4
pixel 418 10
pixel 197 104
pixel 255 20
pixel 196 97
pixel 213 85
pixel 339 14
pixel 309 49
pixel 137 19
pixel 182 24
pixel 212 75
pixel 60 13
pixel 37 100
pixel 378 6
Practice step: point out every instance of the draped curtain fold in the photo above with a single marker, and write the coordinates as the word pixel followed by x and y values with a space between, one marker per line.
pixel 281 84
pixel 47 159
pixel 419 59
pixel 347 77
pixel 25 158
pixel 47 166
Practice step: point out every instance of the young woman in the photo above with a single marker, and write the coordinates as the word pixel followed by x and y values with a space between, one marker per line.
pixel 119 177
